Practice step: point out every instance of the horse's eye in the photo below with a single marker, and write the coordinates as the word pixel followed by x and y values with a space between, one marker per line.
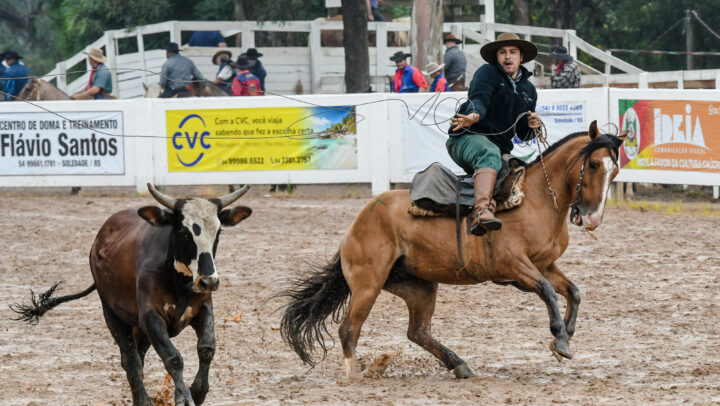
pixel 593 165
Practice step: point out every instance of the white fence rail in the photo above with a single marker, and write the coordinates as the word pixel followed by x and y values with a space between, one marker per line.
pixel 392 141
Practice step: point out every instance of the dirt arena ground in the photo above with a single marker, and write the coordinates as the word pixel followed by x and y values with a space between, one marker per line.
pixel 647 333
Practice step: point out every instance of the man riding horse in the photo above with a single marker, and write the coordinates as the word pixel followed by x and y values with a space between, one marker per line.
pixel 501 104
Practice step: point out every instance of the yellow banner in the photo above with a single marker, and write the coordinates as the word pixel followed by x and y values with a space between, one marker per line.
pixel 259 139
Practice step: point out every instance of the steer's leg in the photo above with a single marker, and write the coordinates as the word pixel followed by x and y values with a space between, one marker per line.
pixel 156 330
pixel 204 327
pixel 130 359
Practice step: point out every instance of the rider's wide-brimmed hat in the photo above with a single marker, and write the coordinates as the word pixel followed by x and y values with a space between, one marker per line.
pixel 452 38
pixel 221 52
pixel 11 55
pixel 431 68
pixel 489 50
pixel 172 47
pixel 560 53
pixel 253 53
pixel 399 56
pixel 243 62
pixel 96 54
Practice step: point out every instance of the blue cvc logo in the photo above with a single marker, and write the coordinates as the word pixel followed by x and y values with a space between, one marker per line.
pixel 190 135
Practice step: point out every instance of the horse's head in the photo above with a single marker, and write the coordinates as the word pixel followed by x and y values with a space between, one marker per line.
pixel 597 166
pixel 29 90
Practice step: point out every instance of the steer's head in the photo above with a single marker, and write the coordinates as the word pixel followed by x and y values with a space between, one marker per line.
pixel 195 232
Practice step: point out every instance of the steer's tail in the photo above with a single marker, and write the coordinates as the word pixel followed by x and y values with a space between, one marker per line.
pixel 312 300
pixel 43 302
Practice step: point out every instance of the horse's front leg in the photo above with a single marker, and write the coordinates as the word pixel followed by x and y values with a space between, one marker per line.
pixel 567 289
pixel 204 327
pixel 531 279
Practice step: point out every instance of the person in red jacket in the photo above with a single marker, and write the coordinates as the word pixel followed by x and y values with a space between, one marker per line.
pixel 245 83
pixel 408 79
pixel 435 72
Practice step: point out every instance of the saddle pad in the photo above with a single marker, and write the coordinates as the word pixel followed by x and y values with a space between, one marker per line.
pixel 435 189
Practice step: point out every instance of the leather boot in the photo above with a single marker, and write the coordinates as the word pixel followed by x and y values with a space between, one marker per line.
pixel 483 215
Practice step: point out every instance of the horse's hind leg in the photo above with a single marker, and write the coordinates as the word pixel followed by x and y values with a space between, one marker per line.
pixel 571 294
pixel 130 358
pixel 420 296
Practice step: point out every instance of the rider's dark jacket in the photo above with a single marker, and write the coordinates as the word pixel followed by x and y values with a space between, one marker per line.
pixel 499 100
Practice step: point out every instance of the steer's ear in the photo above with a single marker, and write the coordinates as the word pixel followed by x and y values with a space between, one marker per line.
pixel 230 217
pixel 154 215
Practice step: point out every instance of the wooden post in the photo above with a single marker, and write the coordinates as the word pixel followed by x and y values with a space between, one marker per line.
pixel 489 17
pixel 248 37
pixel 315 60
pixel 426 32
pixel 381 54
pixel 111 51
pixel 62 76
pixel 716 192
pixel 141 55
pixel 619 191
pixel 175 33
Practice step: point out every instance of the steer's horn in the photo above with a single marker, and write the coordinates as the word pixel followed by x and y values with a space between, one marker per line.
pixel 226 200
pixel 163 199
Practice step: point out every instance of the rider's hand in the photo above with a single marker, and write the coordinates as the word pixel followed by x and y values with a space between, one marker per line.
pixel 534 121
pixel 461 121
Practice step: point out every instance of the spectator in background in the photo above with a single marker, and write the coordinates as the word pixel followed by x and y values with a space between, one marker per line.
pixel 408 79
pixel 257 68
pixel 2 63
pixel 565 73
pixel 373 13
pixel 177 72
pixel 439 83
pixel 99 85
pixel 225 73
pixel 207 39
pixel 455 63
pixel 245 83
pixel 15 76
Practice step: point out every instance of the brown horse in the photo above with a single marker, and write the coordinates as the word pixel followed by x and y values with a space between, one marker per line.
pixel 37 90
pixel 387 248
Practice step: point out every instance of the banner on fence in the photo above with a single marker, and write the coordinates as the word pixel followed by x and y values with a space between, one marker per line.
pixel 259 139
pixel 78 143
pixel 670 135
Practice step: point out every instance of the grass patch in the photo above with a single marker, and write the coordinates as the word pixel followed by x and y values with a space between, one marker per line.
pixel 673 207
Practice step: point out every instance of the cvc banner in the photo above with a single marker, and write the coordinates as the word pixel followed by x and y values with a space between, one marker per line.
pixel 260 139
pixel 670 135
pixel 69 143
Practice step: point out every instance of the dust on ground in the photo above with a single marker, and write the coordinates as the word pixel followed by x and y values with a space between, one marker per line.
pixel 647 331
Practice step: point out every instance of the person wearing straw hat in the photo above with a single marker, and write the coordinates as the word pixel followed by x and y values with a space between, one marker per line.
pixel 245 83
pixel 408 79
pixel 455 62
pixel 434 70
pixel 565 73
pixel 99 84
pixel 225 73
pixel 177 72
pixel 15 76
pixel 500 105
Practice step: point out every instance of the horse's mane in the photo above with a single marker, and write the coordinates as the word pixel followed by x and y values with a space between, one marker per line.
pixel 607 141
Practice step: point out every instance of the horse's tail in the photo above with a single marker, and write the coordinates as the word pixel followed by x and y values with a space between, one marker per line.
pixel 312 300
pixel 43 302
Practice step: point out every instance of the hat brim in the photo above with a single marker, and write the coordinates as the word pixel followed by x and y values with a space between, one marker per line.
pixel 455 40
pixel 258 55
pixel 528 49
pixel 398 58
pixel 560 57
pixel 101 60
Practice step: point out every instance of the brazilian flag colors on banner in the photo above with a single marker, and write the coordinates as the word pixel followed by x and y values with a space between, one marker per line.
pixel 670 135
pixel 260 139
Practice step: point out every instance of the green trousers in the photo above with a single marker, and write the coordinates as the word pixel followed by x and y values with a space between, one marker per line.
pixel 471 151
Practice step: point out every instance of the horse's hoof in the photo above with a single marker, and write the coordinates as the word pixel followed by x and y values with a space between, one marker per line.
pixel 560 349
pixel 463 371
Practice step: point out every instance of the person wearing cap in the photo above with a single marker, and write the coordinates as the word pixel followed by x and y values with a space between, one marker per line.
pixel 565 73
pixel 500 105
pixel 257 68
pixel 225 73
pixel 177 72
pixel 455 62
pixel 207 39
pixel 439 83
pixel 245 83
pixel 408 79
pixel 15 76
pixel 99 85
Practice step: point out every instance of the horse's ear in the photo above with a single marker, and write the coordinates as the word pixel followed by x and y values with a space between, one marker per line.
pixel 145 87
pixel 593 131
pixel 623 135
